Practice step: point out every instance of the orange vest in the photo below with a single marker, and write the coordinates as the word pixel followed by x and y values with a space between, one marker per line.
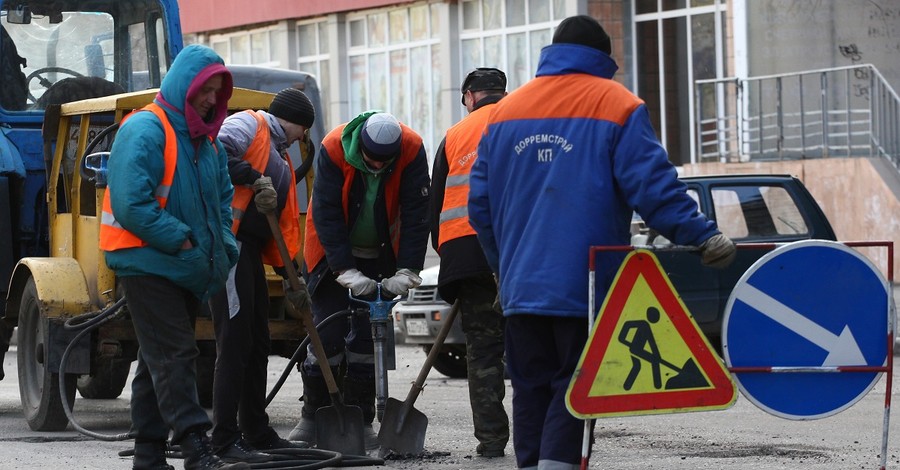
pixel 461 150
pixel 112 235
pixel 257 155
pixel 410 143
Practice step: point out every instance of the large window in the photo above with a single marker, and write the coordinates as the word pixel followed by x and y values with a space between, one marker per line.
pixel 507 34
pixel 394 65
pixel 313 51
pixel 261 46
pixel 676 43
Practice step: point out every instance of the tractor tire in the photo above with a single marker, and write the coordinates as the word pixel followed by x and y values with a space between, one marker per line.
pixel 107 380
pixel 451 361
pixel 38 387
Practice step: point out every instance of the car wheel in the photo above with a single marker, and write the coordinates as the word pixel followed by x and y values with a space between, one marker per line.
pixel 451 361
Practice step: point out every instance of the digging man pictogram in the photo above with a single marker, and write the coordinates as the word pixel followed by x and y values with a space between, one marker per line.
pixel 642 347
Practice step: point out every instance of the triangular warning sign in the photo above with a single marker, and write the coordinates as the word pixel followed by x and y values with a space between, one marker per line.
pixel 646 354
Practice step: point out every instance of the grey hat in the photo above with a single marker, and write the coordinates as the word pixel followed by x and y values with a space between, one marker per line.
pixel 380 137
pixel 294 106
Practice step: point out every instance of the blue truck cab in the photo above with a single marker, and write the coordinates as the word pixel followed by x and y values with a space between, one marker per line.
pixel 55 51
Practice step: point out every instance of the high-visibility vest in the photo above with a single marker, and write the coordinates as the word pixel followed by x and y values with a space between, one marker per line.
pixel 410 143
pixel 112 235
pixel 257 155
pixel 461 150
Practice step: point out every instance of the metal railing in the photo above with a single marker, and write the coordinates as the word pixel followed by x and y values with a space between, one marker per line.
pixel 839 112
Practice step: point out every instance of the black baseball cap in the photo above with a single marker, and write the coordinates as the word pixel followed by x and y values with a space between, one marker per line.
pixel 483 78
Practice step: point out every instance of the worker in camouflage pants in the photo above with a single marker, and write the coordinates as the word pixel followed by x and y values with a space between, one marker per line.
pixel 465 277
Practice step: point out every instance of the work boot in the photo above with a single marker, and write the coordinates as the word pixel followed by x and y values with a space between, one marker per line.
pixel 361 392
pixel 198 454
pixel 370 437
pixel 305 430
pixel 315 396
pixel 240 451
pixel 150 455
pixel 275 442
pixel 489 453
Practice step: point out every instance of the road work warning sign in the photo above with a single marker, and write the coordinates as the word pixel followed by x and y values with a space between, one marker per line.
pixel 646 354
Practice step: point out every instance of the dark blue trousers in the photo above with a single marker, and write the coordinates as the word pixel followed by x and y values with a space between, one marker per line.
pixel 542 353
pixel 349 339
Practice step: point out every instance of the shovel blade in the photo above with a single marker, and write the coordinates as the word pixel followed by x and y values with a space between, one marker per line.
pixel 403 438
pixel 339 428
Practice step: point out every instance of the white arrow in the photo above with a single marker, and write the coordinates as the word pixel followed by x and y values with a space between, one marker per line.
pixel 842 350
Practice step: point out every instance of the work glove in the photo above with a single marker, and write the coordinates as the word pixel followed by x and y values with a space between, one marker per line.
pixel 401 282
pixel 358 283
pixel 266 198
pixel 718 251
pixel 298 298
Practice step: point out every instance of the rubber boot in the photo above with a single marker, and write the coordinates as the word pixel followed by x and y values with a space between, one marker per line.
pixel 315 396
pixel 198 454
pixel 150 455
pixel 361 392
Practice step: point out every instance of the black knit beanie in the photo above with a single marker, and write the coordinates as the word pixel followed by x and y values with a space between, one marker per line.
pixel 294 106
pixel 584 30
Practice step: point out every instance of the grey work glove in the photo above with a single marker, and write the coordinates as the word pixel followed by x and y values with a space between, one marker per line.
pixel 298 298
pixel 401 282
pixel 358 283
pixel 266 198
pixel 718 251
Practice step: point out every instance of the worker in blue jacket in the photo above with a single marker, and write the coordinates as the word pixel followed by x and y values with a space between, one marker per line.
pixel 550 181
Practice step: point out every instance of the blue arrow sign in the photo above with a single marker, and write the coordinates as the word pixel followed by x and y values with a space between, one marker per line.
pixel 807 304
pixel 842 349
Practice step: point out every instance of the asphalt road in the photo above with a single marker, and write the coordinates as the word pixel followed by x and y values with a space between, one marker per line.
pixel 741 437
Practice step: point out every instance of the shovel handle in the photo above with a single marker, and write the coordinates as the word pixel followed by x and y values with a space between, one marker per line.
pixel 305 315
pixel 432 356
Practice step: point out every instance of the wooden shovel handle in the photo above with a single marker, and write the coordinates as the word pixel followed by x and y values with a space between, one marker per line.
pixel 305 315
pixel 432 356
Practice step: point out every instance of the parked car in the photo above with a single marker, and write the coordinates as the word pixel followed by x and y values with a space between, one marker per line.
pixel 747 208
pixel 419 318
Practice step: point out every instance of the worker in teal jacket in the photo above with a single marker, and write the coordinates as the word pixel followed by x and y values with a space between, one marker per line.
pixel 170 244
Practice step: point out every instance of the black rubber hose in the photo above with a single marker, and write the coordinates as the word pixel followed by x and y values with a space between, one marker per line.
pixel 300 353
pixel 96 319
pixel 285 459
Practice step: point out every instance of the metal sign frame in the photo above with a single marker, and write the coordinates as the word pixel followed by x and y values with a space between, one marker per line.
pixel 887 369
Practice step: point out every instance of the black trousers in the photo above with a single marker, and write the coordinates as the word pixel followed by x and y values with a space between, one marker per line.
pixel 241 321
pixel 164 389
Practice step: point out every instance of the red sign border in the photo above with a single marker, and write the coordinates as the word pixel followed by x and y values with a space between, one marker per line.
pixel 723 392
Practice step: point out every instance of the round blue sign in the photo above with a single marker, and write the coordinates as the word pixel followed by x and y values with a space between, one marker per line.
pixel 811 303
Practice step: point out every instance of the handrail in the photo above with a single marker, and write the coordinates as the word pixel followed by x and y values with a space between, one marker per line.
pixel 847 111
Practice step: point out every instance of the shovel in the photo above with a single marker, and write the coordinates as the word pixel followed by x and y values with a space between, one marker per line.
pixel 403 427
pixel 339 427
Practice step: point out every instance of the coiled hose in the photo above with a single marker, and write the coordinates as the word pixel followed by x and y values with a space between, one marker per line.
pixel 284 459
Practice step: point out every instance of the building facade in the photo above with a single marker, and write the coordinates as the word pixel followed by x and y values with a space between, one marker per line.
pixel 409 57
